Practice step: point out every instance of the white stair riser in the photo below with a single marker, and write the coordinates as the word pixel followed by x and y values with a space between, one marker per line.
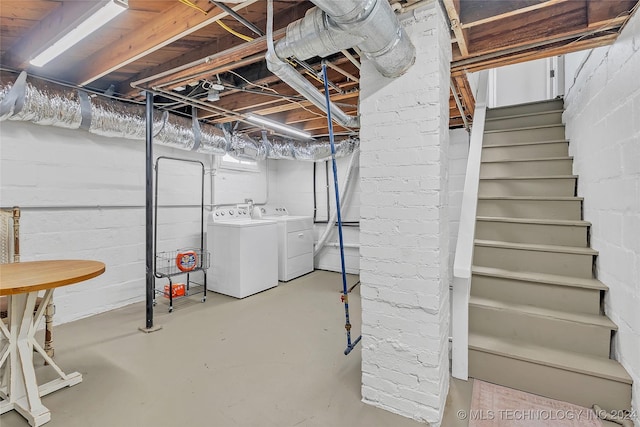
pixel 543 119
pixel 529 151
pixel 538 107
pixel 555 383
pixel 541 209
pixel 563 264
pixel 552 133
pixel 538 330
pixel 544 234
pixel 530 168
pixel 552 187
pixel 556 297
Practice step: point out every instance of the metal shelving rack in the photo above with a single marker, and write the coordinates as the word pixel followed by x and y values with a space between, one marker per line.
pixel 165 264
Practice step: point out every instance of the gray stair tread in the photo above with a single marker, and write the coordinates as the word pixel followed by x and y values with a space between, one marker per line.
pixel 536 247
pixel 517 116
pixel 532 159
pixel 534 198
pixel 552 279
pixel 570 361
pixel 524 128
pixel 517 144
pixel 524 104
pixel 529 177
pixel 568 222
pixel 586 319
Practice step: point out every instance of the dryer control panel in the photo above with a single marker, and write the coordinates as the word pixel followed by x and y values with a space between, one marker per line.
pixel 274 211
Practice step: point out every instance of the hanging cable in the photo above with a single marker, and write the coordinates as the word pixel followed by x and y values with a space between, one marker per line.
pixel 345 290
pixel 193 5
pixel 234 32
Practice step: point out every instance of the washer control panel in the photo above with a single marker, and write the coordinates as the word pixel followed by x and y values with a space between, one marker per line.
pixel 221 214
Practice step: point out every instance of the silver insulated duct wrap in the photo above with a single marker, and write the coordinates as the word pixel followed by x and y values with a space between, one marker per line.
pixel 41 103
pixel 51 104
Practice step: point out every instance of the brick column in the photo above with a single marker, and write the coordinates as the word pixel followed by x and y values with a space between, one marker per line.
pixel 404 234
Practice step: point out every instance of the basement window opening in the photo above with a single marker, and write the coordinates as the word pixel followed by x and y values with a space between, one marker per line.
pixel 229 162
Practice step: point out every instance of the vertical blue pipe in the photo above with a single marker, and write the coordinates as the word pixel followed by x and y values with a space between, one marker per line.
pixel 345 291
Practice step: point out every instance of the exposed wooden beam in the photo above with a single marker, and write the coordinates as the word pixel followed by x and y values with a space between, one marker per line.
pixel 539 44
pixel 251 51
pixel 496 15
pixel 479 64
pixel 615 22
pixel 195 58
pixel 166 28
pixel 463 89
pixel 44 32
pixel 603 12
pixel 540 25
pixel 290 106
pixel 453 10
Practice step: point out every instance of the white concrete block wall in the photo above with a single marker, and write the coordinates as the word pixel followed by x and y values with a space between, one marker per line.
pixel 295 192
pixel 51 168
pixel 405 227
pixel 232 187
pixel 603 124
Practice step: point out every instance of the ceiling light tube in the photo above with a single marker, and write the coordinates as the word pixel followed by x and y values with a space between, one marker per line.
pixel 96 20
pixel 277 126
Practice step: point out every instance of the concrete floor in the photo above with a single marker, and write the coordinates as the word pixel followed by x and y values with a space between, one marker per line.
pixel 273 359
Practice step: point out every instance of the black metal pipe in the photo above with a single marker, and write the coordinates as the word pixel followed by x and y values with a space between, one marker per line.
pixel 344 223
pixel 315 199
pixel 149 210
pixel 238 17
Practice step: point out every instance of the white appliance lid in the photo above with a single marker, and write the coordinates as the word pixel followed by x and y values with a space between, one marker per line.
pixel 242 222
pixel 287 217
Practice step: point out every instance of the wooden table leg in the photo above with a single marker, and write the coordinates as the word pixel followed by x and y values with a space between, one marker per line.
pixel 22 392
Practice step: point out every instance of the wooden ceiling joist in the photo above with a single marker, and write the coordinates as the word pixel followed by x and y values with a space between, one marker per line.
pixel 534 53
pixel 453 10
pixel 488 11
pixel 199 60
pixel 174 24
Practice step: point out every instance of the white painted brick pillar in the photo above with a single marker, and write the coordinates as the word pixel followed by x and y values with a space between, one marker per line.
pixel 404 237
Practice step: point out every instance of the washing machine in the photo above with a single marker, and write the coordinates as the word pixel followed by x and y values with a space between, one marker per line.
pixel 295 242
pixel 244 253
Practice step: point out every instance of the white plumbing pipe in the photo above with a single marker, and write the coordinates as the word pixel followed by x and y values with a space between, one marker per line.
pixel 345 245
pixel 344 196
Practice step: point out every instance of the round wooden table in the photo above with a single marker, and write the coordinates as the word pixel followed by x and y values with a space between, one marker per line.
pixel 21 282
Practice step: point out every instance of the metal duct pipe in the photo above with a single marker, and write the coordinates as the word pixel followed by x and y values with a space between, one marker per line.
pixel 292 77
pixel 56 105
pixel 340 24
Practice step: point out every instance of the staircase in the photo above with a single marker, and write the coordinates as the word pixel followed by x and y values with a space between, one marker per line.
pixel 536 321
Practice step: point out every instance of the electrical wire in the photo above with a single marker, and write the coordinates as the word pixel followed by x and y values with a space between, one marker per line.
pixel 253 84
pixel 276 92
pixel 234 32
pixel 193 6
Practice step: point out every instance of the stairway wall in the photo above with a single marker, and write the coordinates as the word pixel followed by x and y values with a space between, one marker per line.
pixel 602 120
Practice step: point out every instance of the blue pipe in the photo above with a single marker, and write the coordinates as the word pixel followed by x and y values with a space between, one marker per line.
pixel 345 291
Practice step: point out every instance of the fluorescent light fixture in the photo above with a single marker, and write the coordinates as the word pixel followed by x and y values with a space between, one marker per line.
pixel 96 20
pixel 277 126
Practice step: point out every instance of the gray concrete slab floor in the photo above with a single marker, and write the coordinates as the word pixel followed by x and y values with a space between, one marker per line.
pixel 272 359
